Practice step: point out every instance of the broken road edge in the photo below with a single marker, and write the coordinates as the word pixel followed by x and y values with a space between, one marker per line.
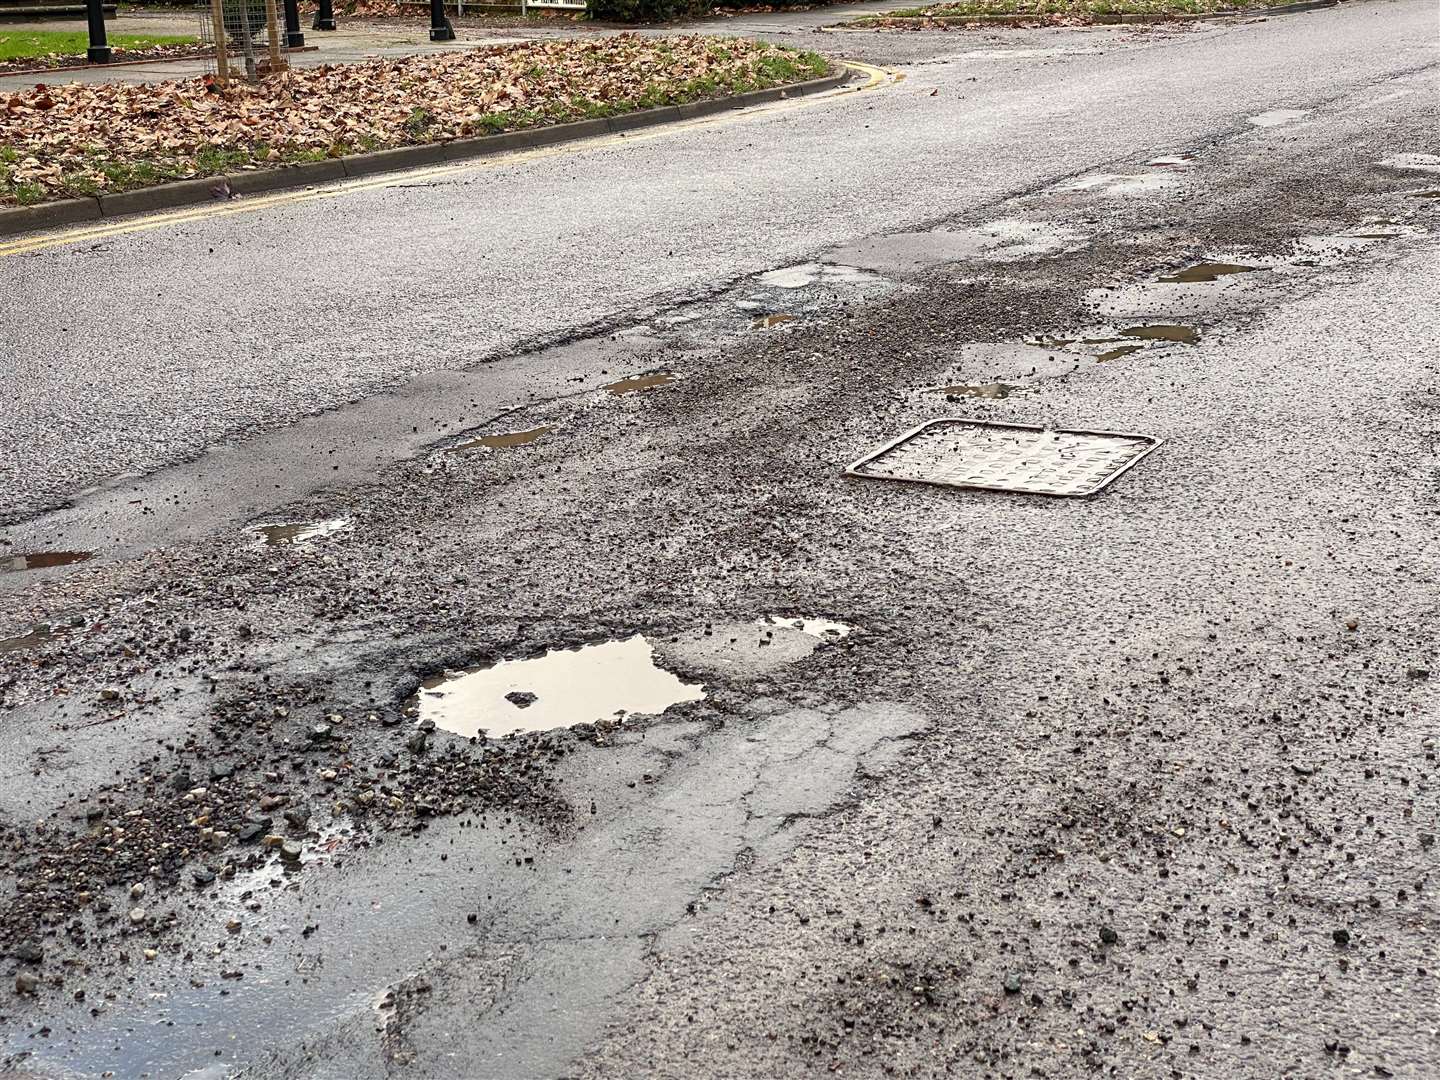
pixel 19 219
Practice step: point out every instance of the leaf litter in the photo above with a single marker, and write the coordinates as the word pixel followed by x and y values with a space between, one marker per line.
pixel 83 139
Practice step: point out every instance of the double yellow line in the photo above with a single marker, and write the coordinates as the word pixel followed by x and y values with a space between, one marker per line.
pixel 875 77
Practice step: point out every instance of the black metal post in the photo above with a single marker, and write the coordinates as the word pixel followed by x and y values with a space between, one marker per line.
pixel 99 50
pixel 440 28
pixel 294 39
pixel 325 17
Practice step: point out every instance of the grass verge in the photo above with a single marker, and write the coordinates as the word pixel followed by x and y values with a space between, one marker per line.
pixel 64 141
pixel 56 47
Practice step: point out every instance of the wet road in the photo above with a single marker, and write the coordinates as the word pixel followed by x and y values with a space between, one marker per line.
pixel 1141 784
pixel 227 325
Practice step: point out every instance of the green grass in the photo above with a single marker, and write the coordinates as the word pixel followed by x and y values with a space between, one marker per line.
pixel 33 44
pixel 147 172
pixel 1080 9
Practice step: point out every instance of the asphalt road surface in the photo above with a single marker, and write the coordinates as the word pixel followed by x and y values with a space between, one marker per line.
pixel 472 662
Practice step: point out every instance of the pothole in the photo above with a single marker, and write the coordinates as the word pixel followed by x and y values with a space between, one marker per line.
pixel 637 383
pixel 294 533
pixel 1276 117
pixel 1119 183
pixel 1006 239
pixel 564 687
pixel 503 441
pixel 995 391
pixel 814 273
pixel 1413 162
pixel 43 560
pixel 1172 161
pixel 824 629
pixel 752 648
pixel 1208 271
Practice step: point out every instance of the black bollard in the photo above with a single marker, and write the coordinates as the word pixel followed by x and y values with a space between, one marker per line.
pixel 294 39
pixel 99 50
pixel 440 28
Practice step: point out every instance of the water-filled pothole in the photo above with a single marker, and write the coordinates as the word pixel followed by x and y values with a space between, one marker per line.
pixel 1185 335
pixel 503 441
pixel 42 560
pixel 561 688
pixel 824 629
pixel 1207 271
pixel 293 533
pixel 37 636
pixel 636 383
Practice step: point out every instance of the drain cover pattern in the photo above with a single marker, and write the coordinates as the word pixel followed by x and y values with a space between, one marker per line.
pixel 1006 457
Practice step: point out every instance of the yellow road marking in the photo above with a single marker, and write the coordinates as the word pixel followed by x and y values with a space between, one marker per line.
pixel 875 77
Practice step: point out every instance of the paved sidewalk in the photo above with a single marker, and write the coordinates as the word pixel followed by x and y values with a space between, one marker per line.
pixel 349 44
pixel 367 39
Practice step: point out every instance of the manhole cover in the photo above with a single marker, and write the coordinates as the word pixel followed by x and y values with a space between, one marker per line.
pixel 1006 457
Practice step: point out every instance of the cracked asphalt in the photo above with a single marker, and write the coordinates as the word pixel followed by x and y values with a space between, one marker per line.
pixel 1136 785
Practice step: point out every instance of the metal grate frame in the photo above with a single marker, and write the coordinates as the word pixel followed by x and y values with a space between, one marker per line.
pixel 992 456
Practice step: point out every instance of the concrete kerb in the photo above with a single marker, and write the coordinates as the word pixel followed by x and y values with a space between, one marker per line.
pixel 20 219
pixel 858 25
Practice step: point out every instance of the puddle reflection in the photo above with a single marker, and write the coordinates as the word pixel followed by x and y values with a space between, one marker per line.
pixel 561 688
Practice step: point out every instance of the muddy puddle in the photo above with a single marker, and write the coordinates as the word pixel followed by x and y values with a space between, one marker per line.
pixel 1208 271
pixel 295 533
pixel 1117 352
pixel 38 636
pixel 1184 335
pixel 42 560
pixel 637 383
pixel 606 681
pixel 766 322
pixel 504 441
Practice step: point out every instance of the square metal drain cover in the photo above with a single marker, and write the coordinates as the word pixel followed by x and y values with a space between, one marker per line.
pixel 1006 457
